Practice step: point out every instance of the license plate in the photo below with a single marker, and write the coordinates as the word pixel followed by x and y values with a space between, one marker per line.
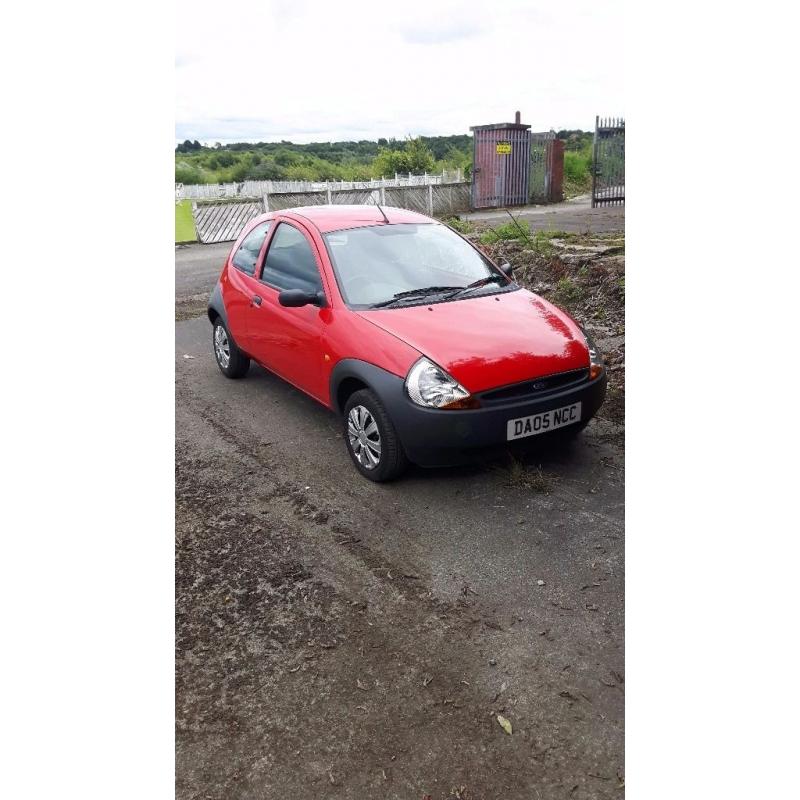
pixel 541 423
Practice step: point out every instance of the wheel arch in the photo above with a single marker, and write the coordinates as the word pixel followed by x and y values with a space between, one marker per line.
pixel 216 306
pixel 351 374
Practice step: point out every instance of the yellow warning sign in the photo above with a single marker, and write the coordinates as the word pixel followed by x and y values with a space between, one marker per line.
pixel 503 148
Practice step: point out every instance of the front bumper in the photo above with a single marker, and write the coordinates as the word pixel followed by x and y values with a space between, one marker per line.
pixel 435 437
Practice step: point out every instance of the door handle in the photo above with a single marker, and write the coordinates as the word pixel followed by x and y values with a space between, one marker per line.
pixel 255 300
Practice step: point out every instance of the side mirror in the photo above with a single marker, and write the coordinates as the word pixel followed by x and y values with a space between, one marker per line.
pixel 506 269
pixel 295 298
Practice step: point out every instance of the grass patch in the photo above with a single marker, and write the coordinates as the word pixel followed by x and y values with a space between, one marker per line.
pixel 567 291
pixel 507 232
pixel 461 225
pixel 520 231
pixel 184 222
pixel 534 479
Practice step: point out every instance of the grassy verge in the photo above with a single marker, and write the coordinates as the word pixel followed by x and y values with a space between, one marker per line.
pixel 184 222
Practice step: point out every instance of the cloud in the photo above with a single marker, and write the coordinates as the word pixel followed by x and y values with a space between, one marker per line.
pixel 324 71
pixel 453 32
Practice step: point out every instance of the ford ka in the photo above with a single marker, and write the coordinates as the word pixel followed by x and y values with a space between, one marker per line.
pixel 427 349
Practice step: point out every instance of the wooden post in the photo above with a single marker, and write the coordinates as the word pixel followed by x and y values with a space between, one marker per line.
pixel 265 200
pixel 328 192
pixel 430 199
pixel 383 195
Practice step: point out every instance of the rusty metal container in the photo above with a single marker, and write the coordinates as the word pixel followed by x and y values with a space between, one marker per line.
pixel 501 158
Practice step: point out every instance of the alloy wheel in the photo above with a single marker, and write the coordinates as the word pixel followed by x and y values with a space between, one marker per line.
pixel 365 439
pixel 222 347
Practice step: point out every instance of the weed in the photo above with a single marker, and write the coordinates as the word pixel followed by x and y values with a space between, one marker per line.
pixel 532 478
pixel 567 291
pixel 461 225
pixel 557 235
pixel 507 232
pixel 520 231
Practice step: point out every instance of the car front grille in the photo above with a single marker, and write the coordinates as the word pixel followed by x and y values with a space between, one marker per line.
pixel 534 388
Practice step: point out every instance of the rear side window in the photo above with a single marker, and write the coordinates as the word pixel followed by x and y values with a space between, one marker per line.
pixel 290 262
pixel 246 256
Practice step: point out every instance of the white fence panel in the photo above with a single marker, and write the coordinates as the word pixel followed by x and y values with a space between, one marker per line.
pixel 248 188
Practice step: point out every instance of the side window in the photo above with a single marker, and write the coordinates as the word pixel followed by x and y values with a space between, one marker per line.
pixel 290 262
pixel 246 256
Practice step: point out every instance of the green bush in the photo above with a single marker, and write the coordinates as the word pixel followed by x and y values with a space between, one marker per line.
pixel 415 158
pixel 578 171
pixel 264 171
pixel 578 164
pixel 188 174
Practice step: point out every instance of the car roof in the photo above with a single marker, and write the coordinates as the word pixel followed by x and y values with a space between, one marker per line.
pixel 340 217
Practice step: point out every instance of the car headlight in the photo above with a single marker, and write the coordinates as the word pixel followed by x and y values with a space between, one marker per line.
pixel 595 359
pixel 430 386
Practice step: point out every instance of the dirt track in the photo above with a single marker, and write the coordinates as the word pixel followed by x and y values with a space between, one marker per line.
pixel 341 639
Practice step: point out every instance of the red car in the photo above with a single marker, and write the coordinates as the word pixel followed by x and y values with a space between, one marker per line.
pixel 427 349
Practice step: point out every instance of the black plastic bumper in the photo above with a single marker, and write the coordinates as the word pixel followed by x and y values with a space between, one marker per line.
pixel 433 437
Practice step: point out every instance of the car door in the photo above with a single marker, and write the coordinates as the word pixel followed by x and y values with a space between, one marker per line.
pixel 240 284
pixel 288 341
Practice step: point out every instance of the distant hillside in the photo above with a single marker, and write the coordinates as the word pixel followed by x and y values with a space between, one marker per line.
pixel 361 160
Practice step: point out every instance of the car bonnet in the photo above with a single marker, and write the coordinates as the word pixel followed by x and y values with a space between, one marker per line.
pixel 489 341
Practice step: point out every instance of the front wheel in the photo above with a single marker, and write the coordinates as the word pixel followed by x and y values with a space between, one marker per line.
pixel 372 439
pixel 232 362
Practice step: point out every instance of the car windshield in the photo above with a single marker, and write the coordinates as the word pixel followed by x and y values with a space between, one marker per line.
pixel 407 263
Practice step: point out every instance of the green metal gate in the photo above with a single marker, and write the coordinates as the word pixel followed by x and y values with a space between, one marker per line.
pixel 539 183
pixel 608 163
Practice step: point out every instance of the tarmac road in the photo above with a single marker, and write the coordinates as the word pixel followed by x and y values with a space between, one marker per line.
pixel 341 639
pixel 574 216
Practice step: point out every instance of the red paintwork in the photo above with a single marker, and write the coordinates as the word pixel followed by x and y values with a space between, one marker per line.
pixel 490 341
pixel 483 342
pixel 338 218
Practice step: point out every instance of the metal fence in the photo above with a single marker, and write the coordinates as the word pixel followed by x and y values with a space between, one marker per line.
pixel 222 220
pixel 217 221
pixel 215 191
pixel 433 199
pixel 608 162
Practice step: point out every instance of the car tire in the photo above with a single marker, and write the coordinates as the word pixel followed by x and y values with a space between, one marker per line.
pixel 232 362
pixel 378 455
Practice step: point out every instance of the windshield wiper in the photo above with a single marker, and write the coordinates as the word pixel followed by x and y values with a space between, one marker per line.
pixel 410 293
pixel 495 278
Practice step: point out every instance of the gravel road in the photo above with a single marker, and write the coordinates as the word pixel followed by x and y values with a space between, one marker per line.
pixel 341 639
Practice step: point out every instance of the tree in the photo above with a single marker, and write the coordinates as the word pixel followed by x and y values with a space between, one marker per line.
pixel 265 171
pixel 415 157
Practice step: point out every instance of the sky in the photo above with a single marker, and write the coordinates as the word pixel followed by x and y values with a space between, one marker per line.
pixel 311 71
